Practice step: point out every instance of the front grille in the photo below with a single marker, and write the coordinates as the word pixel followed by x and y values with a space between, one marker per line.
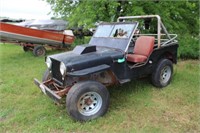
pixel 56 70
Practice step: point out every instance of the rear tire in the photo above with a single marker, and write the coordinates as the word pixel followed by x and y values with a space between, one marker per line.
pixel 162 75
pixel 39 50
pixel 87 100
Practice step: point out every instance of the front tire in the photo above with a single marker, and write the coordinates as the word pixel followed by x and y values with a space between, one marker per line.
pixel 162 75
pixel 87 100
pixel 46 76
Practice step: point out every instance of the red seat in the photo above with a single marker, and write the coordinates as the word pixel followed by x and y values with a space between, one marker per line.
pixel 143 48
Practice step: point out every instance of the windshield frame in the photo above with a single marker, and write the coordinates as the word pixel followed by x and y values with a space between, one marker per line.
pixel 113 27
pixel 99 40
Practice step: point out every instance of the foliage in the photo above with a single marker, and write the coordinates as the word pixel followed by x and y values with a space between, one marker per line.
pixel 189 47
pixel 180 17
pixel 79 41
pixel 135 107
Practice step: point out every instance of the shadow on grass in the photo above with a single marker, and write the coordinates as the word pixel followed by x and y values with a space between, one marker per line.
pixel 122 96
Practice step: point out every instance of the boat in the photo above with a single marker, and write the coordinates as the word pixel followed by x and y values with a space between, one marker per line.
pixel 36 36
pixel 29 38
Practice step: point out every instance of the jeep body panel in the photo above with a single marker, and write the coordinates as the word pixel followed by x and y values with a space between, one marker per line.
pixel 126 71
pixel 80 64
pixel 88 71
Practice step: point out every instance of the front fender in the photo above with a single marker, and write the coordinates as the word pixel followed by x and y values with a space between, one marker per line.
pixel 88 71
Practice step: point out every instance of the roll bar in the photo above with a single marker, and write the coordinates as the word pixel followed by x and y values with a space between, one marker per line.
pixel 159 24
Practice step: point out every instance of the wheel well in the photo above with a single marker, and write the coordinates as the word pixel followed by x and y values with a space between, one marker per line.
pixel 168 55
pixel 107 78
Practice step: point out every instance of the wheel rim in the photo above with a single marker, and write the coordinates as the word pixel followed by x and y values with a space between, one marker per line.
pixel 165 74
pixel 40 52
pixel 89 103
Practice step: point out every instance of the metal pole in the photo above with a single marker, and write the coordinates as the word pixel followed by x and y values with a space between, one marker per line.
pixel 165 30
pixel 159 29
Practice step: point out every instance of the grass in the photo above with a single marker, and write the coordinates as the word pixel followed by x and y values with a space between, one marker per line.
pixel 135 107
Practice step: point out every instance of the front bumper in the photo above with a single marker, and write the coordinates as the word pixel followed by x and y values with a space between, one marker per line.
pixel 56 98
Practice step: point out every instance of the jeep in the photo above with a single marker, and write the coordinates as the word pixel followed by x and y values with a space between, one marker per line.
pixel 118 52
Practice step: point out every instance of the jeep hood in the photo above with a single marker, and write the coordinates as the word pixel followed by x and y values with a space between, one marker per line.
pixel 86 56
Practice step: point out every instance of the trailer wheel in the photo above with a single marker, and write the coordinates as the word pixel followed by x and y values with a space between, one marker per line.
pixel 39 50
pixel 162 75
pixel 25 48
pixel 46 76
pixel 87 100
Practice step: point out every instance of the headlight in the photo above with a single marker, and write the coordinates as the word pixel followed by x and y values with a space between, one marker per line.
pixel 48 62
pixel 62 68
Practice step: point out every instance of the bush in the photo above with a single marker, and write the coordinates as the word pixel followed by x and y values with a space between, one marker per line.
pixel 80 41
pixel 188 47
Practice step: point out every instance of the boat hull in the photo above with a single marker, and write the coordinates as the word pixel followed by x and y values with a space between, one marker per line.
pixel 9 32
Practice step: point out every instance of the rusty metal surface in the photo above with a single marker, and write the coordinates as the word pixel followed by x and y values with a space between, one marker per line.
pixel 107 78
pixel 59 90
pixel 63 92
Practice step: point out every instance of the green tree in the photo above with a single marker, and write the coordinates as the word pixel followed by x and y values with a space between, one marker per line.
pixel 180 17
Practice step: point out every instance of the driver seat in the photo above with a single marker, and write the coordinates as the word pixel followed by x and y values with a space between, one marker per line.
pixel 143 48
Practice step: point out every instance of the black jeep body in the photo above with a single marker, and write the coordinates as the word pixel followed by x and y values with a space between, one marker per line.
pixel 83 74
